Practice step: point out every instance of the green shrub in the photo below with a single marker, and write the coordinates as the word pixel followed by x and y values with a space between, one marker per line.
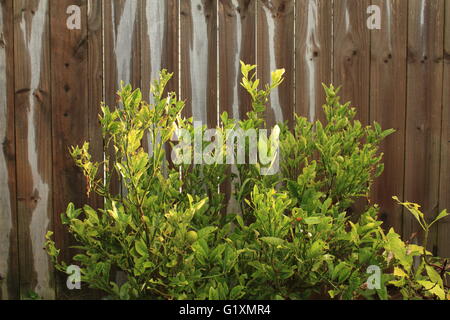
pixel 295 236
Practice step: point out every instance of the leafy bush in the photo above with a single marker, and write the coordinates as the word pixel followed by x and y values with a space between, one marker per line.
pixel 295 236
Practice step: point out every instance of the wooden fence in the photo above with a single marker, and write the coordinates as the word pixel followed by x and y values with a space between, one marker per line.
pixel 53 78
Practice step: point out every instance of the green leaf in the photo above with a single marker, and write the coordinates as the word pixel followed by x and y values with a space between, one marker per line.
pixel 434 275
pixel 134 140
pixel 312 220
pixel 277 76
pixel 395 245
pixel 49 235
pixel 332 293
pixel 441 215
pixel 213 295
pixel 433 288
pixel 237 292
pixel 141 248
pixel 240 221
pixel 341 272
pixel 413 208
pixel 400 273
pixel 317 249
pixel 206 231
pixel 91 214
pixel 71 212
pixel 273 241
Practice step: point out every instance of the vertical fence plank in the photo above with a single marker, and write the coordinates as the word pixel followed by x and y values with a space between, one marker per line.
pixel 152 43
pixel 199 59
pixel 352 54
pixel 95 85
pixel 122 45
pixel 313 56
pixel 159 47
pixel 351 66
pixel 159 42
pixel 9 273
pixel 237 42
pixel 424 109
pixel 69 57
pixel 444 199
pixel 171 50
pixel 387 104
pixel 275 50
pixel 122 61
pixel 33 144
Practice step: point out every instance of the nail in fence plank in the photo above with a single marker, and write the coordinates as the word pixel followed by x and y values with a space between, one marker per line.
pixel 275 50
pixel 9 268
pixel 33 118
pixel 313 51
pixel 387 104
pixel 424 110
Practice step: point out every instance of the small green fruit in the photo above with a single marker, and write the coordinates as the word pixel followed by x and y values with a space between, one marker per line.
pixel 192 236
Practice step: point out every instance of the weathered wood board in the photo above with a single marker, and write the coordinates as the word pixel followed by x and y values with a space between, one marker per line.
pixel 388 104
pixel 122 53
pixel 313 56
pixel 9 260
pixel 70 119
pixel 424 110
pixel 198 59
pixel 351 51
pixel 351 63
pixel 444 191
pixel 33 120
pixel 237 42
pixel 275 50
pixel 95 85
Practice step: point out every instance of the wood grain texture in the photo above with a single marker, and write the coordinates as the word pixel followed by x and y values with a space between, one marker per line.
pixel 352 54
pixel 122 45
pixel 171 49
pixel 444 197
pixel 122 54
pixel 388 104
pixel 152 43
pixel 351 65
pixel 313 56
pixel 275 50
pixel 95 85
pixel 424 110
pixel 70 102
pixel 33 118
pixel 198 47
pixel 159 47
pixel 237 42
pixel 9 259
